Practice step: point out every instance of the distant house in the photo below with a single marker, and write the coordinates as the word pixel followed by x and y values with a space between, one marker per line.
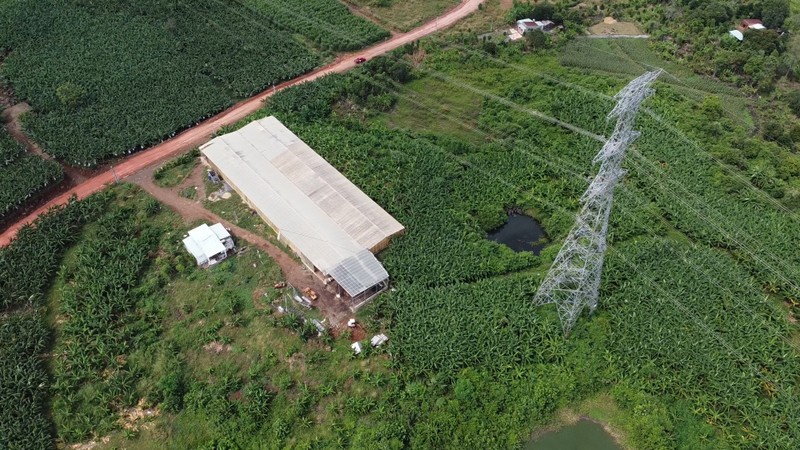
pixel 751 24
pixel 208 244
pixel 737 34
pixel 525 25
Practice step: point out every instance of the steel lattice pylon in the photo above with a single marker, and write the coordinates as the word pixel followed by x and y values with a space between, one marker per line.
pixel 573 281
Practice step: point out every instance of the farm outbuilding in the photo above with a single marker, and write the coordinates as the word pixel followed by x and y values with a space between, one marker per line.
pixel 208 244
pixel 316 211
pixel 751 24
pixel 526 25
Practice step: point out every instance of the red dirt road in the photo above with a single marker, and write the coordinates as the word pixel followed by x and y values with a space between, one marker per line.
pixel 203 132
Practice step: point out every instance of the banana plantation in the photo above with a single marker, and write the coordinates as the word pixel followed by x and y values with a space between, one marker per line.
pixel 26 270
pixel 22 176
pixel 693 345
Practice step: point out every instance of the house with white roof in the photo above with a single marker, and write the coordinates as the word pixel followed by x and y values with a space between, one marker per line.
pixel 525 25
pixel 208 244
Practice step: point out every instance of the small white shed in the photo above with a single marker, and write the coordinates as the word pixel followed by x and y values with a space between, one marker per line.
pixel 208 244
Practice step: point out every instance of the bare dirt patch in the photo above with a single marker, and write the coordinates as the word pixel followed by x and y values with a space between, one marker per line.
pixel 132 417
pixel 357 333
pixel 216 347
pixel 297 362
pixel 90 444
pixel 610 26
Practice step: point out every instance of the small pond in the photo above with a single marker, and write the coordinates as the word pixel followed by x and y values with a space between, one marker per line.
pixel 521 233
pixel 584 435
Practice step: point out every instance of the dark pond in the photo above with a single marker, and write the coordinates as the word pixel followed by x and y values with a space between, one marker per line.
pixel 584 435
pixel 521 233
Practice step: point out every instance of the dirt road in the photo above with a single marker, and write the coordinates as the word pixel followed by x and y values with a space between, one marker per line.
pixel 294 272
pixel 203 132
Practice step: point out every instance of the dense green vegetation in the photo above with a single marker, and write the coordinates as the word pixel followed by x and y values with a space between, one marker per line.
pixel 691 345
pixel 450 314
pixel 97 297
pixel 751 397
pixel 327 23
pixel 10 149
pixel 29 264
pixel 27 267
pixel 23 423
pixel 22 175
pixel 111 79
pixel 24 178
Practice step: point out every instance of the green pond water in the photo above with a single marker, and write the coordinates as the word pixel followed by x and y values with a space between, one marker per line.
pixel 584 435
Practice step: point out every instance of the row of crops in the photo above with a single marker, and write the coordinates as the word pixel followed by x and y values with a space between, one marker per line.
pixel 327 23
pixel 713 342
pixel 27 267
pixel 107 80
pixel 22 175
pixel 10 149
pixel 99 322
pixel 23 398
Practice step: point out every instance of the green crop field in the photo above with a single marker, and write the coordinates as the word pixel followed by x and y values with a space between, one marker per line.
pixel 403 15
pixel 690 239
pixel 326 23
pixel 632 56
pixel 694 344
pixel 22 175
pixel 108 80
pixel 27 268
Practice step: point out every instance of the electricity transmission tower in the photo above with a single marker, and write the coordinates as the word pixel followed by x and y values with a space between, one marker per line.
pixel 573 281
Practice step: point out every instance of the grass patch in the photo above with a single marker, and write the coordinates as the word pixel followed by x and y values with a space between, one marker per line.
pixel 632 57
pixel 176 170
pixel 221 341
pixel 492 16
pixel 189 192
pixel 425 101
pixel 403 15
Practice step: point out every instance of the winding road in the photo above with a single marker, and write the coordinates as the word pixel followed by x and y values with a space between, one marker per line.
pixel 204 131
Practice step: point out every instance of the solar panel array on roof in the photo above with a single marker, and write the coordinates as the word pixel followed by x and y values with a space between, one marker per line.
pixel 359 272
pixel 321 213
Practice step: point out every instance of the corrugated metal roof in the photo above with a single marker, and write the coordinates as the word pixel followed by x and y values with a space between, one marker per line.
pixel 195 250
pixel 206 240
pixel 220 231
pixel 359 272
pixel 311 204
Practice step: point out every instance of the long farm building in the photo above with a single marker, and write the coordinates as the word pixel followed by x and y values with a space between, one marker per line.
pixel 332 225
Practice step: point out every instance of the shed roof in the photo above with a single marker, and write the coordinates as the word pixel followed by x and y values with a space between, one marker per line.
pixel 195 250
pixel 206 240
pixel 359 272
pixel 220 231
pixel 311 204
pixel 751 22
